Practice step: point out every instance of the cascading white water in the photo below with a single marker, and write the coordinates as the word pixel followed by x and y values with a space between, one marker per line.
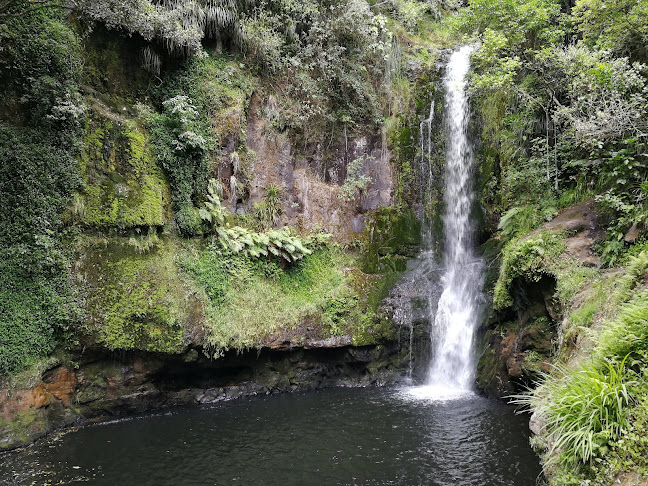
pixel 457 313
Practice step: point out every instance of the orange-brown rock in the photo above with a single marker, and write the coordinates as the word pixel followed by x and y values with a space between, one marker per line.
pixel 60 383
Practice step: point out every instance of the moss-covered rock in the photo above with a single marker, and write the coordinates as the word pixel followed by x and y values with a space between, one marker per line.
pixel 123 185
pixel 514 355
pixel 392 236
pixel 136 296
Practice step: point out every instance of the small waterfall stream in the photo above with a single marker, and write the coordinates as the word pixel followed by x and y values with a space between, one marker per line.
pixel 457 310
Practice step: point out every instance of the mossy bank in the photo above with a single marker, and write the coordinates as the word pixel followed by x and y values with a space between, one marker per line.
pixel 191 210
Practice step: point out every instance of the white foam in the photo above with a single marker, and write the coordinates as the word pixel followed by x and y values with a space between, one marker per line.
pixel 436 393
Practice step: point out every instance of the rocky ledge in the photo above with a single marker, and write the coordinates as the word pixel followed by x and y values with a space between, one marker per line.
pixel 103 384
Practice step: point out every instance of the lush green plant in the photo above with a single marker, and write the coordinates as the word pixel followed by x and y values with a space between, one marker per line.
pixel 181 149
pixel 236 239
pixel 520 220
pixel 618 25
pixel 40 66
pixel 250 302
pixel 561 118
pixel 590 410
pixel 178 26
pixel 584 315
pixel 331 60
pixel 355 181
pixel 584 410
pixel 268 211
pixel 214 212
pixel 635 275
pixel 630 451
pixel 627 334
pixel 529 258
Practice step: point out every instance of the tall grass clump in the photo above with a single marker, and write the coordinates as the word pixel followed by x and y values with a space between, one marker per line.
pixel 627 335
pixel 635 274
pixel 584 410
pixel 594 414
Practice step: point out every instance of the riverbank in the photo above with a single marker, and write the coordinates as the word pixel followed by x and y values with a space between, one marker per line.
pixel 118 385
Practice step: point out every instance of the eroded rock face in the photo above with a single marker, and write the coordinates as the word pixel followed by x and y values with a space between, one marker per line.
pixel 519 342
pixel 104 384
pixel 520 347
pixel 630 479
pixel 310 179
pixel 580 221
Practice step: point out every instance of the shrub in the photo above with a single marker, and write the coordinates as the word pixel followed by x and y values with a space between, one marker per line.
pixel 179 139
pixel 37 303
pixel 356 181
pixel 236 239
pixel 627 334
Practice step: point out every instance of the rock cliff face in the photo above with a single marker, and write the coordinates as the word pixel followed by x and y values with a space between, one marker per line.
pixel 104 384
pixel 163 316
pixel 138 290
pixel 310 178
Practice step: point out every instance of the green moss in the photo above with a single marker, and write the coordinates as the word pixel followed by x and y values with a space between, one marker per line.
pixel 21 428
pixel 490 369
pixel 253 303
pixel 528 258
pixel 136 299
pixel 124 187
pixel 392 236
pixel 113 67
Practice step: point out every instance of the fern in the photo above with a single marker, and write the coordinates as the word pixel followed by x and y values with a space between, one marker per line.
pixel 237 239
pixel 628 333
pixel 635 274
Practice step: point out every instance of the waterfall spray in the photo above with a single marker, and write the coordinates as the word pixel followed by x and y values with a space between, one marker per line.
pixel 458 309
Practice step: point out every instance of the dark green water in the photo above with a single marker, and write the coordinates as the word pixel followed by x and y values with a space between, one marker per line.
pixel 368 436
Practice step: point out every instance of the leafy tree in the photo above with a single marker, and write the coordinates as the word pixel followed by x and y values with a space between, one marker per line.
pixel 616 25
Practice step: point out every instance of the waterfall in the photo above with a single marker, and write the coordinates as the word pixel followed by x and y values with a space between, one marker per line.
pixel 454 303
pixel 457 311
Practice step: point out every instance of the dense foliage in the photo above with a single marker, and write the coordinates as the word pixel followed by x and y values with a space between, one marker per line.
pixel 593 411
pixel 88 145
pixel 561 96
pixel 39 71
pixel 560 91
pixel 562 99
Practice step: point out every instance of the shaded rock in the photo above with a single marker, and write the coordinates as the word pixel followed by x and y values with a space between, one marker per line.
pixel 332 342
pixel 581 221
pixel 136 382
pixel 632 234
pixel 630 479
pixel 537 423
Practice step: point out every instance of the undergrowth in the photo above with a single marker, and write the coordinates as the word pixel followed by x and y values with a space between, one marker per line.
pixel 594 413
pixel 254 302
